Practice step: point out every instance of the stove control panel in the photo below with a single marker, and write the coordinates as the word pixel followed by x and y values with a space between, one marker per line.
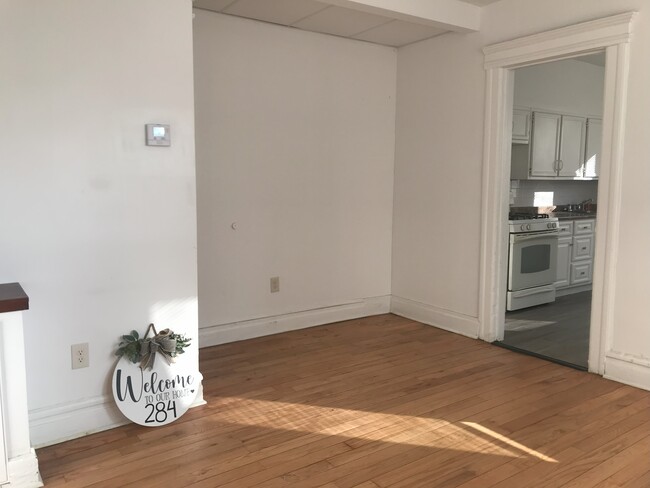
pixel 534 225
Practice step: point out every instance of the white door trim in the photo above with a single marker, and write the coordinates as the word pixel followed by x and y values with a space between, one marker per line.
pixel 613 35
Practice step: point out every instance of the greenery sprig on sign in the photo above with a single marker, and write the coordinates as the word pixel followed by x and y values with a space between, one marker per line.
pixel 144 350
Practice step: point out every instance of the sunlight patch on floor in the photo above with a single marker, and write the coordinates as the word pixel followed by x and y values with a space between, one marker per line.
pixel 370 426
pixel 510 442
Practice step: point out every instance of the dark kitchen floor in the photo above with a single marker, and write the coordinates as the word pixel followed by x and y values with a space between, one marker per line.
pixel 558 330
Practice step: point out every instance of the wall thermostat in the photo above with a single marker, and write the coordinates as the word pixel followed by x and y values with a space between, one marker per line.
pixel 158 135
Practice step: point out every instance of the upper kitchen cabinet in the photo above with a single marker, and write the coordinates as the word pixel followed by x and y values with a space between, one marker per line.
pixel 556 128
pixel 571 147
pixel 592 152
pixel 558 145
pixel 545 144
pixel 520 126
pixel 559 149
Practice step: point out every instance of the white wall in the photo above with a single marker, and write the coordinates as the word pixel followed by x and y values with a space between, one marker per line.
pixel 438 178
pixel 295 144
pixel 440 92
pixel 99 228
pixel 569 86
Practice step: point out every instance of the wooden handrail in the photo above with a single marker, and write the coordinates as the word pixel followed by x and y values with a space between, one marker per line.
pixel 13 298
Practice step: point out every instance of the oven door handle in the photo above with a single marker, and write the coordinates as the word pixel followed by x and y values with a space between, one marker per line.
pixel 536 235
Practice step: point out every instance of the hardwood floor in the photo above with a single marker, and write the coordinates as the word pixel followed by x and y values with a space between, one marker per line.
pixel 558 330
pixel 377 402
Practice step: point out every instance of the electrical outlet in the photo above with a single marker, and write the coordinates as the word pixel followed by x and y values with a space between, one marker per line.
pixel 80 355
pixel 275 284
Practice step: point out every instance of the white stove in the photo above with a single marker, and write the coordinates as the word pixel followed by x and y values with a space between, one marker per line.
pixel 532 260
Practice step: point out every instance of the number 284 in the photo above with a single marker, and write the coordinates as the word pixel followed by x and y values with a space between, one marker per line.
pixel 160 411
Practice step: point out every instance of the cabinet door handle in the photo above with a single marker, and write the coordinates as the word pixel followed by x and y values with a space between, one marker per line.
pixel 561 165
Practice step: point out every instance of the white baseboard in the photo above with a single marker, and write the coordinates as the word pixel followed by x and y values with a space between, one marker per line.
pixel 249 329
pixel 628 369
pixel 570 290
pixel 64 422
pixel 23 471
pixel 438 317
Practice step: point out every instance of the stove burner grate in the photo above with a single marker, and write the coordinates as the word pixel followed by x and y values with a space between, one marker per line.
pixel 527 216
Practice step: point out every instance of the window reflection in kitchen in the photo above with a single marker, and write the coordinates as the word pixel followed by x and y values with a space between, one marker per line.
pixel 543 199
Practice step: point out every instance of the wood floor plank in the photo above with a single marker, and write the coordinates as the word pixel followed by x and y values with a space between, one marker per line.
pixel 376 402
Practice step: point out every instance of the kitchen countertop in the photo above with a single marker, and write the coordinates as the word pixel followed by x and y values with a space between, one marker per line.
pixel 573 215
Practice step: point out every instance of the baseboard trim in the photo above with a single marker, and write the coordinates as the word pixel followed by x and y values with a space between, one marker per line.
pixel 249 329
pixel 435 316
pixel 629 369
pixel 64 422
pixel 570 290
pixel 23 471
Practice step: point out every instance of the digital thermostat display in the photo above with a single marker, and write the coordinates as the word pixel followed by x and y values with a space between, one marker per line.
pixel 158 135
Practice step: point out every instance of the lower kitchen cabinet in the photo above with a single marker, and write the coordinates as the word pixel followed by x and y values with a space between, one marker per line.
pixel 564 262
pixel 575 254
pixel 583 248
pixel 581 273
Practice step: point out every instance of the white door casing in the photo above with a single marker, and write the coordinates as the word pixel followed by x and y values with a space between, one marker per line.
pixel 613 35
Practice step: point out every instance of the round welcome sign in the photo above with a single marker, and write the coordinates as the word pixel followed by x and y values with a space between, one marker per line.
pixel 149 387
pixel 154 397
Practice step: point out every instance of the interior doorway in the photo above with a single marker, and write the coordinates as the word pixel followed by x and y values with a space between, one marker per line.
pixel 555 166
pixel 612 35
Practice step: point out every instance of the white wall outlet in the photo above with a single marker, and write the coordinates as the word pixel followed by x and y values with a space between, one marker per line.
pixel 80 355
pixel 275 284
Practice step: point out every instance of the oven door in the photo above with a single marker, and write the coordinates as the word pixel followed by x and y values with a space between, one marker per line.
pixel 532 260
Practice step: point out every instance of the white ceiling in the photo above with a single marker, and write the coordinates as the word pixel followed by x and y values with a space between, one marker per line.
pixel 316 16
pixel 597 59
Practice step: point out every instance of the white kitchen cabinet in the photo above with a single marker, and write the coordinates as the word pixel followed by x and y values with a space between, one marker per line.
pixel 563 262
pixel 593 145
pixel 584 227
pixel 575 256
pixel 581 273
pixel 566 228
pixel 583 248
pixel 545 139
pixel 571 146
pixel 520 126
pixel 558 145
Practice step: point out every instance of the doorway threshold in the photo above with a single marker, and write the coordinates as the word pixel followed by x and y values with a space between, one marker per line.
pixel 540 356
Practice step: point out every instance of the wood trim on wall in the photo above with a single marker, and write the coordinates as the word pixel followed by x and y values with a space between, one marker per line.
pixel 249 329
pixel 438 317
